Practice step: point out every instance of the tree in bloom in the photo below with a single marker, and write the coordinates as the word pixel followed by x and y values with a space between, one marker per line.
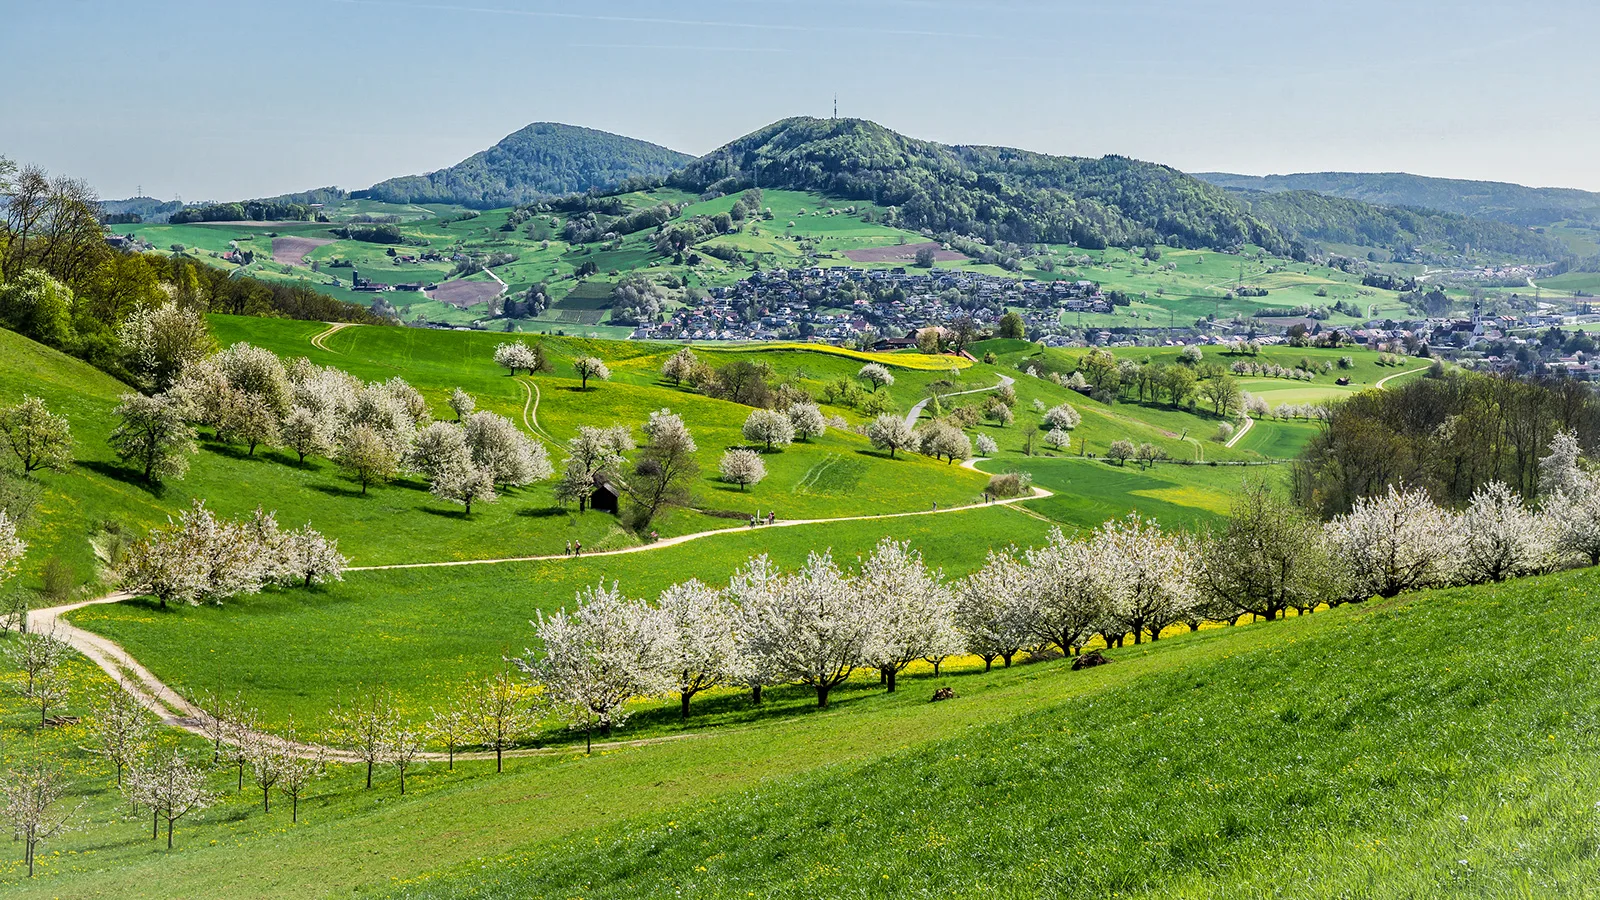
pixel 366 457
pixel 159 341
pixel 1575 520
pixel 153 436
pixel 811 626
pixel 589 367
pixel 890 432
pixel 701 649
pixel 1066 580
pixel 591 454
pixel 464 483
pixel 120 725
pixel 39 438
pixel 1268 557
pixel 308 557
pixel 740 466
pixel 11 547
pixel 498 447
pixel 942 440
pixel 306 433
pixel 1501 538
pixel 1058 439
pixel 462 404
pixel 769 428
pixel 876 375
pixel 436 448
pixel 1064 417
pixel 1121 450
pixel 911 608
pixel 985 445
pixel 1393 542
pixel 994 608
pixel 515 356
pixel 32 794
pixel 807 421
pixel 1146 574
pixel 679 366
pixel 592 660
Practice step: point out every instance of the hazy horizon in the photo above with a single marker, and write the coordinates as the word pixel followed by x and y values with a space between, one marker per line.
pixel 204 101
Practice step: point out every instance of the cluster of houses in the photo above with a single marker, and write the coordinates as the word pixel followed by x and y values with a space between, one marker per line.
pixel 364 285
pixel 840 304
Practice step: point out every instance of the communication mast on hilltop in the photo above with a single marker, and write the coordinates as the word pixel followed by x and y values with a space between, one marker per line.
pixel 836 105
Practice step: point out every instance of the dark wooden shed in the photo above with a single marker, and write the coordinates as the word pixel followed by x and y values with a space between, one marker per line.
pixel 606 497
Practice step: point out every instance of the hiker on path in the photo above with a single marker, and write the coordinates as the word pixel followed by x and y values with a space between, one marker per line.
pixel 569 549
pixel 577 548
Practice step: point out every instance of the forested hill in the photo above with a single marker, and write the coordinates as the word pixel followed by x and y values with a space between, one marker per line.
pixel 993 192
pixel 1025 197
pixel 541 160
pixel 1496 200
pixel 1311 216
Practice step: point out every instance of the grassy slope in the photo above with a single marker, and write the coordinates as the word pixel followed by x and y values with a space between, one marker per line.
pixel 1389 749
pixel 1330 756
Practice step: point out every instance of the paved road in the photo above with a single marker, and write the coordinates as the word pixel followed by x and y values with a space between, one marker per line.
pixel 916 411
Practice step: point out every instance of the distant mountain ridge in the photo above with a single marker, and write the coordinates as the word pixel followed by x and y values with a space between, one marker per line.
pixel 1498 200
pixel 1002 193
pixel 540 160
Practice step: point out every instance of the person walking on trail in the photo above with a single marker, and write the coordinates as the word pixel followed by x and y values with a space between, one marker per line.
pixel 772 516
pixel 935 506
pixel 569 549
pixel 577 548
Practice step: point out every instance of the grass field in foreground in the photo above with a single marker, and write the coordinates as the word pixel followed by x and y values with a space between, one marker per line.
pixel 1264 760
pixel 1381 750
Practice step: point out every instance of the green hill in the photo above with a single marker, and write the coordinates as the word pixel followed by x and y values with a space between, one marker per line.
pixel 1002 193
pixel 540 160
pixel 1498 200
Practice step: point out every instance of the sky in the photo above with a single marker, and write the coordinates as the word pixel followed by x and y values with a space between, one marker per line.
pixel 228 100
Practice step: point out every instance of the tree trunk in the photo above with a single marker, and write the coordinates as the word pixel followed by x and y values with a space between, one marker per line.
pixel 169 834
pixel 755 695
pixel 450 750
pixel 369 774
pixel 1007 657
pixel 499 764
pixel 685 700
pixel 1138 636
pixel 402 782
pixel 294 807
pixel 588 738
pixel 155 822
pixel 891 681
pixel 822 696
pixel 988 663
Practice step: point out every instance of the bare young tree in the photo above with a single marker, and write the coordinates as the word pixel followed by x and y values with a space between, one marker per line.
pixel 497 713
pixel 33 793
pixel 297 770
pixel 39 656
pixel 268 755
pixel 366 725
pixel 449 727
pixel 120 725
pixel 174 786
pixel 401 749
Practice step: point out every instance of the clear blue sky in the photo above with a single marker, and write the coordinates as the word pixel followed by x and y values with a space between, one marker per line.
pixel 226 100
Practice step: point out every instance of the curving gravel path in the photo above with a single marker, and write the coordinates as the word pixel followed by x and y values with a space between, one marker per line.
pixel 916 411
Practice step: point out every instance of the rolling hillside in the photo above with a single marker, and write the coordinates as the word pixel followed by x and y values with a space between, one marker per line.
pixel 1002 193
pixel 540 160
pixel 1504 202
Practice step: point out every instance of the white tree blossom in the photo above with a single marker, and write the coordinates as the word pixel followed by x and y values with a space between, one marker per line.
pixel 11 547
pixel 890 432
pixel 1064 417
pixel 679 366
pixel 39 438
pixel 32 793
pixel 1058 438
pixel 994 608
pixel 465 483
pixel 307 433
pixel 1501 538
pixel 1575 520
pixel 942 440
pixel 807 421
pixel 911 609
pixel 462 403
pixel 159 341
pixel 1066 581
pixel 876 375
pixel 436 448
pixel 769 428
pixel 589 367
pixel 1393 542
pixel 515 356
pixel 1560 473
pixel 500 448
pixel 308 557
pixel 740 466
pixel 701 649
pixel 812 626
pixel 985 445
pixel 1146 574
pixel 593 660
pixel 666 428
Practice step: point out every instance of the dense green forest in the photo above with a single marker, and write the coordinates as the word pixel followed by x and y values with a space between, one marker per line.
pixel 995 193
pixel 1498 200
pixel 1016 195
pixel 541 160
pixel 1317 217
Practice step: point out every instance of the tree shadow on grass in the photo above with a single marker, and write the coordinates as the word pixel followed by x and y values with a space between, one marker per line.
pixel 459 514
pixel 125 475
pixel 541 512
pixel 338 490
